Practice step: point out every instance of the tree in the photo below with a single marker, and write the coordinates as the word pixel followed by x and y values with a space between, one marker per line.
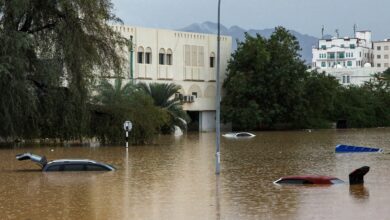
pixel 163 95
pixel 116 103
pixel 264 85
pixel 48 47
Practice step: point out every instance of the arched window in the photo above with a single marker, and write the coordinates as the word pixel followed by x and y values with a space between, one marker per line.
pixel 140 55
pixel 212 60
pixel 148 55
pixel 169 57
pixel 161 57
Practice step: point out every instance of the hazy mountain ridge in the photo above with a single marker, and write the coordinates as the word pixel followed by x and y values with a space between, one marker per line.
pixel 306 41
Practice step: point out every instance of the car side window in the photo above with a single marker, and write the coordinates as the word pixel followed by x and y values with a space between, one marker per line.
pixel 294 181
pixel 54 168
pixel 74 167
pixel 93 167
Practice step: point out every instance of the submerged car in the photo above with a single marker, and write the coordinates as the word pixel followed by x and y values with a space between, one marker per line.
pixel 239 135
pixel 355 177
pixel 66 164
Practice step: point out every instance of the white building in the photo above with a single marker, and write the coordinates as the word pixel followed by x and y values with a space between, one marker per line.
pixel 382 53
pixel 186 59
pixel 354 76
pixel 346 52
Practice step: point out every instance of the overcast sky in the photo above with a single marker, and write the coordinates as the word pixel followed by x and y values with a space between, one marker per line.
pixel 305 16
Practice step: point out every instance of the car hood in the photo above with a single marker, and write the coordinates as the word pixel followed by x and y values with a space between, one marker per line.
pixel 40 160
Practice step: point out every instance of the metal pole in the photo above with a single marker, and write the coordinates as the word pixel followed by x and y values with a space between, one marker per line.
pixel 131 58
pixel 218 99
pixel 127 139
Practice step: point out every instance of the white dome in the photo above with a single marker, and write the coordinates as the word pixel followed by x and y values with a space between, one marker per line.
pixel 367 65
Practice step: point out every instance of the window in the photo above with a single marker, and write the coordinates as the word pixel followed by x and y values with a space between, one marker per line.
pixel 212 60
pixel 386 65
pixel 378 56
pixel 386 48
pixel 74 167
pixel 140 55
pixel 195 94
pixel 323 64
pixel 169 57
pixel 54 168
pixel 161 57
pixel 386 56
pixel 349 63
pixel 323 47
pixel 378 47
pixel 378 65
pixel 348 79
pixel 352 46
pixel 344 79
pixel 93 167
pixel 148 56
pixel 331 55
pixel 342 45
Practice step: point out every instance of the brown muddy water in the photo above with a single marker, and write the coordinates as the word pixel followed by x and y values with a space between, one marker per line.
pixel 175 179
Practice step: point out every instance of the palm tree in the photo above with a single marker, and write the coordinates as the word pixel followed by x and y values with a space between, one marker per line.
pixel 163 95
pixel 115 103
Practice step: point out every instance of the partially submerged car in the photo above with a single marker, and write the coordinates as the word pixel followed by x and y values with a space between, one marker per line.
pixel 66 164
pixel 239 135
pixel 355 177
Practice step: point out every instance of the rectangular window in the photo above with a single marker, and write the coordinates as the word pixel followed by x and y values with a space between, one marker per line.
pixel 161 57
pixel 187 55
pixel 195 94
pixel 386 56
pixel 344 79
pixel 386 65
pixel 323 47
pixel 378 65
pixel 331 55
pixel 378 47
pixel 348 79
pixel 323 64
pixel 386 48
pixel 194 55
pixel 148 58
pixel 352 46
pixel 341 55
pixel 212 60
pixel 140 57
pixel 378 56
pixel 349 63
pixel 200 56
pixel 169 59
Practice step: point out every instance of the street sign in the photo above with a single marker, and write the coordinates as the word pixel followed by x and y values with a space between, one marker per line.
pixel 127 125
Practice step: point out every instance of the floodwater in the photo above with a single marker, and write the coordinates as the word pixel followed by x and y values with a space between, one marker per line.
pixel 175 179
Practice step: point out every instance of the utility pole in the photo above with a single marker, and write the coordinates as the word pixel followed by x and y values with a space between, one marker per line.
pixel 131 58
pixel 218 98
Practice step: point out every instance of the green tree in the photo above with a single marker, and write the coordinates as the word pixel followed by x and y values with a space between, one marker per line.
pixel 264 85
pixel 116 103
pixel 163 95
pixel 49 52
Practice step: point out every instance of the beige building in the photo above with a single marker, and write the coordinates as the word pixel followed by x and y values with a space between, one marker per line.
pixel 184 58
pixel 382 53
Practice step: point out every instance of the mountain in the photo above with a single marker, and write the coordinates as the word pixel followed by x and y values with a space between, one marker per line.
pixel 306 41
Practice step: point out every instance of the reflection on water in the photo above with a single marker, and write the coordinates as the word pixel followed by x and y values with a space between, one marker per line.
pixel 174 179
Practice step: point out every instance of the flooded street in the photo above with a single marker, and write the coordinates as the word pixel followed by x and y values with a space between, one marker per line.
pixel 175 179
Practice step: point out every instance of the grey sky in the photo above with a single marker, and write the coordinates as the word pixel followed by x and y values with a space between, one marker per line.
pixel 305 16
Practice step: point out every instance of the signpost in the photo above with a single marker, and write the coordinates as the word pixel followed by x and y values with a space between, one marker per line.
pixel 127 126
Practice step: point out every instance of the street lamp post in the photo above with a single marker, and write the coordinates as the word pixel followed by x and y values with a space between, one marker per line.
pixel 218 100
pixel 131 58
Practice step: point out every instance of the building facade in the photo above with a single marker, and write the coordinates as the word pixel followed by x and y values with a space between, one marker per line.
pixel 382 53
pixel 184 58
pixel 354 76
pixel 343 52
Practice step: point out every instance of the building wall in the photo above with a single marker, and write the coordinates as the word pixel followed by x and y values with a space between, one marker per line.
pixel 193 63
pixel 345 52
pixel 354 76
pixel 382 53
